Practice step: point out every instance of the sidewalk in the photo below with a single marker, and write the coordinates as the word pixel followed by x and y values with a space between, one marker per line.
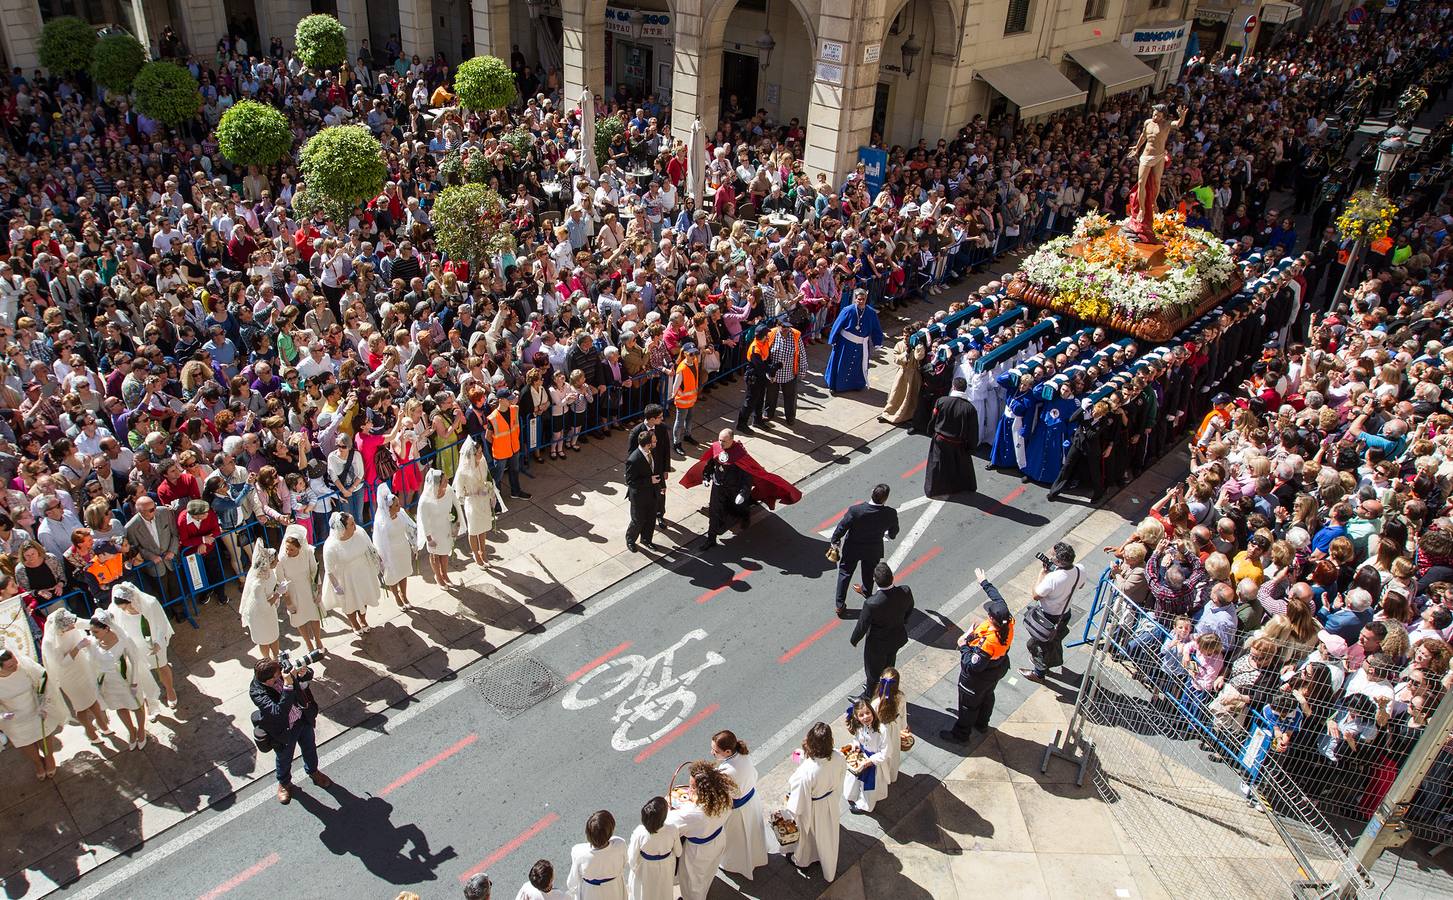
pixel 547 554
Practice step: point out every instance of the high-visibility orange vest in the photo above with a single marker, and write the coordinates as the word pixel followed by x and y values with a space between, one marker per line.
pixel 796 345
pixel 686 397
pixel 760 348
pixel 506 441
pixel 986 637
pixel 106 568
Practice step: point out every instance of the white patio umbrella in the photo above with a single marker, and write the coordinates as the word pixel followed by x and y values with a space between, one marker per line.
pixel 696 164
pixel 587 134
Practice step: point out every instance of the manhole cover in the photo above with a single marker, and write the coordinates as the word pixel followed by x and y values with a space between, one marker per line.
pixel 514 685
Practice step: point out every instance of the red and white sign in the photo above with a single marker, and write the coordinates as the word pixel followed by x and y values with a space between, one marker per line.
pixel 1251 23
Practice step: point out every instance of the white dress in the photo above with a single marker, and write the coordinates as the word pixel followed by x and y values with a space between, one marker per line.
pixel 393 537
pixel 34 702
pixel 150 631
pixel 598 874
pixel 528 891
pixel 893 749
pixel 749 839
pixel 74 675
pixel 475 491
pixel 301 574
pixel 259 615
pixel 125 679
pixel 350 573
pixel 701 848
pixel 651 859
pixel 865 790
pixel 817 810
pixel 436 522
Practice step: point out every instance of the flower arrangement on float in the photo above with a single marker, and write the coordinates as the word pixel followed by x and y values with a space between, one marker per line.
pixel 1099 275
pixel 1366 217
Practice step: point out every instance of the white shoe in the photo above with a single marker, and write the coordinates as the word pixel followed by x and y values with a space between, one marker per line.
pixel 141 744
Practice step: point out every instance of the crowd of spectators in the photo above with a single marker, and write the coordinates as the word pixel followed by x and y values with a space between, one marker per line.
pixel 190 363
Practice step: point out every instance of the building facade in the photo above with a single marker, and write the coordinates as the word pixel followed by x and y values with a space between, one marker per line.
pixel 850 71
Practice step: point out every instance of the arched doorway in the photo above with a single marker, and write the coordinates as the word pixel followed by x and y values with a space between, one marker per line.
pixel 453 29
pixel 918 46
pixel 764 50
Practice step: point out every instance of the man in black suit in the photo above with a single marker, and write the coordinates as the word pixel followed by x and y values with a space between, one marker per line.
pixel 641 491
pixel 287 712
pixel 660 455
pixel 859 536
pixel 884 622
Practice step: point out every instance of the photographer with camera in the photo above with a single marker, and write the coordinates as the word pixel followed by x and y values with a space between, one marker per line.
pixel 1047 620
pixel 283 723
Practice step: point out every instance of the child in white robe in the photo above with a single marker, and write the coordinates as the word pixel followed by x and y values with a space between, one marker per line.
pixel 749 839
pixel 864 789
pixel 598 866
pixel 541 885
pixel 700 820
pixel 652 852
pixel 888 703
pixel 813 801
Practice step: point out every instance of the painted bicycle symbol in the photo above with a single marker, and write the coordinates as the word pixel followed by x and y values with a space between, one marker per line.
pixel 661 699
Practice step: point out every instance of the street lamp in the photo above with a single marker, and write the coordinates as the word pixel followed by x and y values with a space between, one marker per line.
pixel 1389 152
pixel 910 49
pixel 765 42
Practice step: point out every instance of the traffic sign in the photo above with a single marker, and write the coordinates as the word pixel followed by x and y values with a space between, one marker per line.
pixel 1251 23
pixel 1356 15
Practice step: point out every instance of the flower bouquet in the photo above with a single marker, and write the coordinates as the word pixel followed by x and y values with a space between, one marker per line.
pixel 1366 217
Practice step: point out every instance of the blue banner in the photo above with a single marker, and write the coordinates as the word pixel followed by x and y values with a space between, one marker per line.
pixel 875 164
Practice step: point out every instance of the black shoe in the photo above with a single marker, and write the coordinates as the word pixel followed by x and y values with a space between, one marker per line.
pixel 678 450
pixel 954 736
pixel 710 542
pixel 744 429
pixel 651 544
pixel 688 439
pixel 633 548
pixel 842 612
pixel 522 495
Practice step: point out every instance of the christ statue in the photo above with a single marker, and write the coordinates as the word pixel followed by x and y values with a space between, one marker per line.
pixel 1154 135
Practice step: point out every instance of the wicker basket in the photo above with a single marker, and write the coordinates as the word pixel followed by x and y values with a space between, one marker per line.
pixel 906 740
pixel 676 793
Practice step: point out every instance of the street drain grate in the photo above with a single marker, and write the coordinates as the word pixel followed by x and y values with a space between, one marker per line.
pixel 514 685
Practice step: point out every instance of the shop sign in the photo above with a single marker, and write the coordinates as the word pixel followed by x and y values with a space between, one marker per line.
pixel 1154 40
pixel 620 21
pixel 1280 13
pixel 655 25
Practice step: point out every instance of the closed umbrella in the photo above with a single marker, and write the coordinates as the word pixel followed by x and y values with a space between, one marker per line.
pixel 696 164
pixel 587 134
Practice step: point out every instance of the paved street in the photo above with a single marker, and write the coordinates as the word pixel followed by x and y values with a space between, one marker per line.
pixel 743 637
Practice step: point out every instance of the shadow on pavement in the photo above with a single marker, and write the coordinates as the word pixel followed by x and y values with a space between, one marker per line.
pixel 361 827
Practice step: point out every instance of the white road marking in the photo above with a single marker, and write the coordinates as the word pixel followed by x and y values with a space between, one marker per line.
pixel 794 730
pixel 900 553
pixel 652 697
pixel 439 694
pixel 910 505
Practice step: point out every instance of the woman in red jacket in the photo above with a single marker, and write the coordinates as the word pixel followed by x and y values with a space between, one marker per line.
pixel 197 533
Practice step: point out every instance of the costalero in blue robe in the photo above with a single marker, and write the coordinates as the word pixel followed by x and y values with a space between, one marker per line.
pixel 1046 451
pixel 1021 408
pixel 853 336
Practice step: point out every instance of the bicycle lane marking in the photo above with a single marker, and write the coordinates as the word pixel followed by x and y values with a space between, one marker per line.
pixel 658 694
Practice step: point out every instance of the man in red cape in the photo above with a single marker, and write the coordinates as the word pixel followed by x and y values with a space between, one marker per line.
pixel 731 469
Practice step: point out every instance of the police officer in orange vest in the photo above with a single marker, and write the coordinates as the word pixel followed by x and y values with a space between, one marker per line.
pixel 760 369
pixel 503 434
pixel 983 660
pixel 685 389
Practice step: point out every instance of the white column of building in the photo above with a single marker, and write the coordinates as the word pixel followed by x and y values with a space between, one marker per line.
pixel 947 108
pixel 20 33
pixel 492 28
pixel 584 50
pixel 353 14
pixel 695 72
pixel 416 28
pixel 203 24
pixel 840 115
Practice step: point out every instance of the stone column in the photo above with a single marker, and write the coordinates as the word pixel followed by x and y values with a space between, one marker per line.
pixel 492 28
pixel 946 109
pixel 203 24
pixel 584 49
pixel 695 74
pixel 20 33
pixel 353 14
pixel 840 113
pixel 416 28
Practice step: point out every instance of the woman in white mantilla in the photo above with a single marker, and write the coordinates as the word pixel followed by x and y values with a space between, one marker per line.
pixel 351 571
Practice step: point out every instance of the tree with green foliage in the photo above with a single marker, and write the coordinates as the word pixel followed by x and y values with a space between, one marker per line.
pixel 484 83
pixel 606 131
pixel 116 60
pixel 320 42
pixel 166 92
pixel 254 134
pixel 470 223
pixel 66 44
pixel 343 163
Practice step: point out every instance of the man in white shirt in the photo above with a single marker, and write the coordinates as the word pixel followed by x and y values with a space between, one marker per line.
pixel 317 362
pixel 1052 594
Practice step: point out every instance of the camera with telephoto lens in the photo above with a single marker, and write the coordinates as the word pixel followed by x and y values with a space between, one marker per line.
pixel 298 668
pixel 1044 561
